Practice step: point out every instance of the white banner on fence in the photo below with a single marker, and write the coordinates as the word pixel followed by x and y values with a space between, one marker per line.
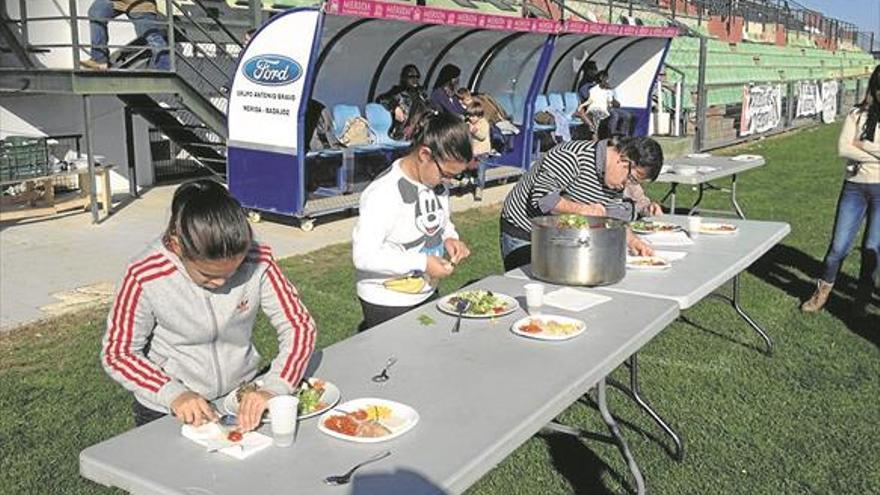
pixel 267 91
pixel 809 100
pixel 829 101
pixel 761 109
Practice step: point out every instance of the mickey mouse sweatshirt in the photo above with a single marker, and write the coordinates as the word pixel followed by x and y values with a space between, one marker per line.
pixel 401 222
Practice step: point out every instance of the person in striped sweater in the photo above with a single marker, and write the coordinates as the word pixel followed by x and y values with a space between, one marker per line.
pixel 582 177
pixel 179 331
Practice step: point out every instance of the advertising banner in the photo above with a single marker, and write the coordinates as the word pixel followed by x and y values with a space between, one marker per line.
pixel 266 95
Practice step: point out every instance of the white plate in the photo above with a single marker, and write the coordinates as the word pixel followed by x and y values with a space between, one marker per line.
pixel 632 262
pixel 685 170
pixel 710 228
pixel 331 398
pixel 706 169
pixel 510 305
pixel 699 155
pixel 401 412
pixel 638 229
pixel 544 335
pixel 746 158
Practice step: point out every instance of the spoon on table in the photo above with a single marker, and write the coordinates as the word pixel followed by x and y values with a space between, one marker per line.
pixel 345 478
pixel 382 376
pixel 460 307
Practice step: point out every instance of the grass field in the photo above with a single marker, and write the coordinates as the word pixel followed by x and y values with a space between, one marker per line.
pixel 802 421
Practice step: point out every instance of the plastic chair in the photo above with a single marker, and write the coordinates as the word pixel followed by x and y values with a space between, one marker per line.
pixel 380 120
pixel 570 105
pixel 343 113
pixel 555 101
pixel 541 104
pixel 506 103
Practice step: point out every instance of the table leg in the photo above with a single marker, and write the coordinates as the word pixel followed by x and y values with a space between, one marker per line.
pixel 736 207
pixel 671 195
pixel 696 206
pixel 106 193
pixel 734 301
pixel 621 442
pixel 635 393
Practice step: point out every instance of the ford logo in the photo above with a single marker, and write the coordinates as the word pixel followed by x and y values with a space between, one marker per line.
pixel 272 70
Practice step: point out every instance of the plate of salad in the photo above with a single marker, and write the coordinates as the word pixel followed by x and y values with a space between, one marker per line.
pixel 315 396
pixel 481 304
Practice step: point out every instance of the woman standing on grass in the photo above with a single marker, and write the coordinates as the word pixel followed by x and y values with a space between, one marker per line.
pixel 859 144
pixel 179 332
pixel 404 233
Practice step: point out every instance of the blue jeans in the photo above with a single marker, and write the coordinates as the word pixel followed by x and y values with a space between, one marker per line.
pixel 856 202
pixel 621 122
pixel 146 25
pixel 515 252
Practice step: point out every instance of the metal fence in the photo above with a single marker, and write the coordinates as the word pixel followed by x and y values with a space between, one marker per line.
pixel 724 124
pixel 170 161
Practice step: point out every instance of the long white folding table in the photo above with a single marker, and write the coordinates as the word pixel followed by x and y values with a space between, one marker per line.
pixel 481 393
pixel 702 177
pixel 711 261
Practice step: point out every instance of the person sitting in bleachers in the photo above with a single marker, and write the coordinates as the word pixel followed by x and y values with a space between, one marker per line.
pixel 402 97
pixel 444 93
pixel 146 25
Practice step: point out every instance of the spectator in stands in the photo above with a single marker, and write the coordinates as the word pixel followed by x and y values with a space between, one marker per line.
pixel 602 103
pixel 465 97
pixel 591 72
pixel 189 302
pixel 146 25
pixel 404 241
pixel 859 144
pixel 444 94
pixel 581 177
pixel 402 98
pixel 479 129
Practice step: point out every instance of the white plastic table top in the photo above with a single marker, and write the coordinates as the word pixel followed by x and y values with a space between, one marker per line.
pixel 480 393
pixel 724 166
pixel 711 261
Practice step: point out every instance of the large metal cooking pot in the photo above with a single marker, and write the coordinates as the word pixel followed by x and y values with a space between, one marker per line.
pixel 594 254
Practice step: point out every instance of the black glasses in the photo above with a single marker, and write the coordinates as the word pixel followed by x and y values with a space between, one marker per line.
pixel 443 174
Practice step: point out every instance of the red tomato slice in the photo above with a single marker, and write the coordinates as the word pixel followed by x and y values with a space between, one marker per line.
pixel 234 436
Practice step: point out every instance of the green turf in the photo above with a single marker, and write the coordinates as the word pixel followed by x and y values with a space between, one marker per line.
pixel 803 421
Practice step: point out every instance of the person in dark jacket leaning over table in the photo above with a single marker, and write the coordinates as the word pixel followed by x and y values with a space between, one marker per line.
pixel 146 25
pixel 179 331
pixel 583 177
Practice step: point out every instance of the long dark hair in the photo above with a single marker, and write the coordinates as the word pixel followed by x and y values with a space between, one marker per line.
pixel 445 134
pixel 872 106
pixel 208 222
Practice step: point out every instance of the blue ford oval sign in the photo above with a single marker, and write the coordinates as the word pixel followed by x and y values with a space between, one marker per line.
pixel 272 70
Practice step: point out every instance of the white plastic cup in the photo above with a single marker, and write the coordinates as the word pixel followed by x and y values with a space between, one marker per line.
pixel 534 297
pixel 283 412
pixel 694 225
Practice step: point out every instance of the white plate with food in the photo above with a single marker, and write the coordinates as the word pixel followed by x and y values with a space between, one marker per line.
pixel 368 420
pixel 481 304
pixel 549 327
pixel 651 263
pixel 746 158
pixel 714 228
pixel 315 396
pixel 699 155
pixel 706 169
pixel 648 227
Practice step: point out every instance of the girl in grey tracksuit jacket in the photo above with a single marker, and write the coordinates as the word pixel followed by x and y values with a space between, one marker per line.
pixel 167 335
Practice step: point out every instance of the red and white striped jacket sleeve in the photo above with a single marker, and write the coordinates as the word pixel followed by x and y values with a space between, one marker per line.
pixel 129 325
pixel 295 326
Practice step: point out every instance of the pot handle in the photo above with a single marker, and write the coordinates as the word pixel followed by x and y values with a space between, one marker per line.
pixel 571 242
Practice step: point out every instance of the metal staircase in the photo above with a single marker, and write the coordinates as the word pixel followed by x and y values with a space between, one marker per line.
pixel 187 104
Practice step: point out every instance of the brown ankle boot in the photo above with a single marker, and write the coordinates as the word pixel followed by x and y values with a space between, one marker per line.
pixel 818 299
